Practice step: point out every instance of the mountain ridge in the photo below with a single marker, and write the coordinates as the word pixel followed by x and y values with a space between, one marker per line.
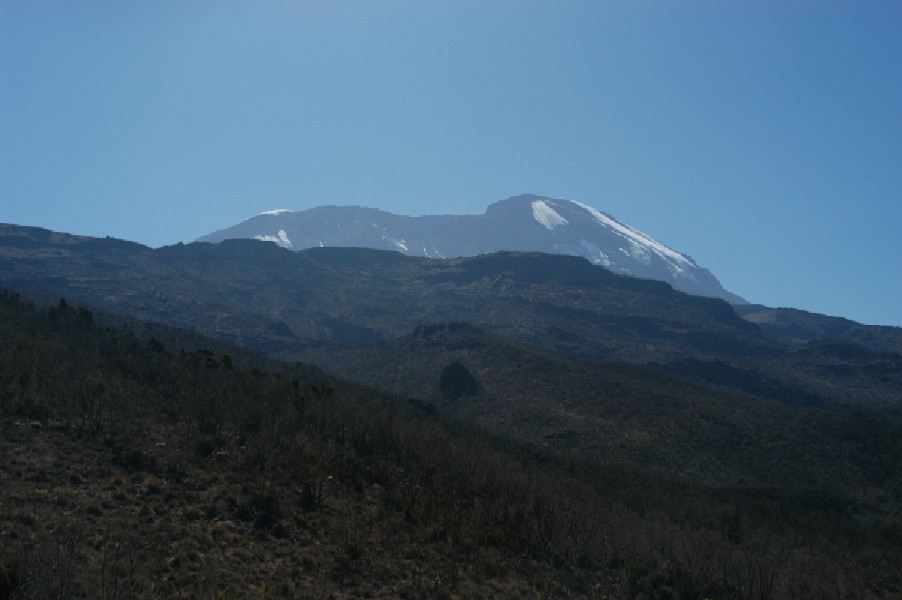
pixel 520 223
pixel 271 299
pixel 250 277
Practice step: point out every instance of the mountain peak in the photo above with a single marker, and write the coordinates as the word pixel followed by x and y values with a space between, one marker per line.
pixel 527 222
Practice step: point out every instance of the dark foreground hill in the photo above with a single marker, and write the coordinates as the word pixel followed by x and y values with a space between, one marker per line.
pixel 133 469
pixel 616 413
pixel 635 417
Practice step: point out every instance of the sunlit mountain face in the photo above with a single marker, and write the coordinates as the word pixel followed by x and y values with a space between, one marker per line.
pixel 524 223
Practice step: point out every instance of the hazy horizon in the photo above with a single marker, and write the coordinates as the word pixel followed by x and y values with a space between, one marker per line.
pixel 762 139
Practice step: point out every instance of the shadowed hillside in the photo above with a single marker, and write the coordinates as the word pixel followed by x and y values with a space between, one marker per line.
pixel 702 458
pixel 636 417
pixel 134 469
pixel 258 295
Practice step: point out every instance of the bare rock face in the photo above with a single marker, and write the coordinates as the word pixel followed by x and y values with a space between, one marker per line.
pixel 521 223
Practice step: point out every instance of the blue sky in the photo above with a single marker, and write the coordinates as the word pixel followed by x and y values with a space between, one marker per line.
pixel 762 138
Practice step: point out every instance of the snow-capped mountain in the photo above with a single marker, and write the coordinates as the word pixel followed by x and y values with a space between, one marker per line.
pixel 525 223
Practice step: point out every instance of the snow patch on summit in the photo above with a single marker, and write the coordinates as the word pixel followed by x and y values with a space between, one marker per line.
pixel 277 211
pixel 639 242
pixel 546 216
pixel 280 239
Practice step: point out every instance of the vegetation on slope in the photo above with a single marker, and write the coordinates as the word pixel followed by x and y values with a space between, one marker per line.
pixel 134 470
pixel 795 326
pixel 258 295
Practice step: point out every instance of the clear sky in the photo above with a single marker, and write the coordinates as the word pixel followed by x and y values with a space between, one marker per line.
pixel 763 138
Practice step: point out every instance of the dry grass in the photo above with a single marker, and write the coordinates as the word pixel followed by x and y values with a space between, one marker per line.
pixel 73 523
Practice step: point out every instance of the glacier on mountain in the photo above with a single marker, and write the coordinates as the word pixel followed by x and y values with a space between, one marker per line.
pixel 640 243
pixel 281 239
pixel 546 215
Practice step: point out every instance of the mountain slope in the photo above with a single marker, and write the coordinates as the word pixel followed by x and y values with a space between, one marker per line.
pixel 613 413
pixel 133 470
pixel 521 223
pixel 259 295
pixel 795 326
